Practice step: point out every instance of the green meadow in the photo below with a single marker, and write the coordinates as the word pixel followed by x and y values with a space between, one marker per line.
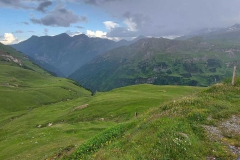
pixel 47 130
pixel 204 125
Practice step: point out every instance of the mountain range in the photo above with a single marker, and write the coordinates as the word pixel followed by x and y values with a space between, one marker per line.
pixel 226 35
pixel 160 61
pixel 201 58
pixel 63 54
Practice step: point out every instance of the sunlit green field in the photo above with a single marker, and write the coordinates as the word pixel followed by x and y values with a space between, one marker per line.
pixel 62 120
pixel 198 126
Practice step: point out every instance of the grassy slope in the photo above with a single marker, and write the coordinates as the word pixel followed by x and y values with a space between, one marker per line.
pixel 28 86
pixel 120 104
pixel 72 126
pixel 23 91
pixel 175 130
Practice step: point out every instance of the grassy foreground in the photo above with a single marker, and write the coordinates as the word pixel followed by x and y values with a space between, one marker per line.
pixel 30 135
pixel 201 126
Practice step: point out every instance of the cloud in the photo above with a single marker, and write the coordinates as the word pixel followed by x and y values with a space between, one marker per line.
pixel 136 22
pixel 9 39
pixel 38 5
pixel 178 16
pixel 12 3
pixel 132 26
pixel 143 17
pixel 97 2
pixel 19 4
pixel 43 5
pixel 70 33
pixel 122 32
pixel 110 25
pixel 18 31
pixel 59 17
pixel 91 1
pixel 30 31
pixel 97 33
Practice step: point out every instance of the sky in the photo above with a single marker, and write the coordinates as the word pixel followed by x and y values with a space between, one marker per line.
pixel 113 19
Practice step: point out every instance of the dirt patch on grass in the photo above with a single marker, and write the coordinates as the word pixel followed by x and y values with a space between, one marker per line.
pixel 65 152
pixel 80 107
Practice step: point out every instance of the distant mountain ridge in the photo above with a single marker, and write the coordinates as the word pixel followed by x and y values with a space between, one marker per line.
pixel 194 61
pixel 201 59
pixel 222 34
pixel 65 53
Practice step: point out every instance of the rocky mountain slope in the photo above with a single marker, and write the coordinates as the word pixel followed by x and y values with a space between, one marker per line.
pixel 160 61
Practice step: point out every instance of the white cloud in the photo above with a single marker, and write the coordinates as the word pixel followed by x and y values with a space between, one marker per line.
pixel 70 33
pixel 101 34
pixel 114 38
pixel 76 33
pixel 172 37
pixel 97 33
pixel 59 17
pixel 110 24
pixel 8 39
pixel 132 26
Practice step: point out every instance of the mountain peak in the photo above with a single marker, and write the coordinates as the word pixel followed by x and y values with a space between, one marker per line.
pixel 236 25
pixel 34 36
pixel 81 35
pixel 62 35
pixel 138 38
